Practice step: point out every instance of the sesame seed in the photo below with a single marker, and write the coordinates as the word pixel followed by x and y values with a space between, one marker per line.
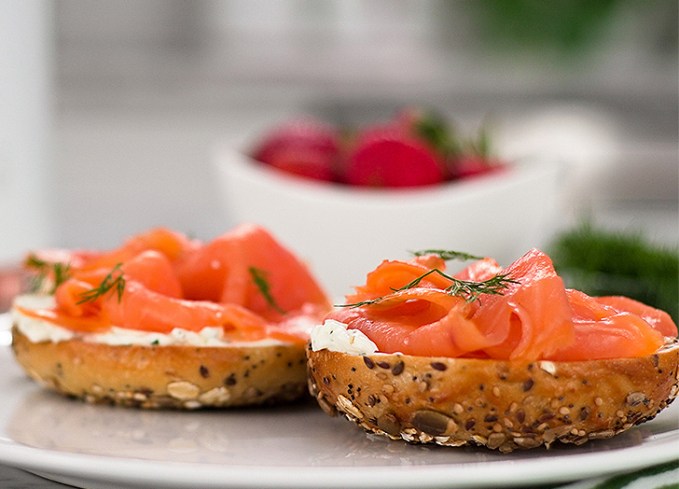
pixel 230 380
pixel 398 368
pixel 440 366
pixel 520 416
pixel 548 367
pixel 204 371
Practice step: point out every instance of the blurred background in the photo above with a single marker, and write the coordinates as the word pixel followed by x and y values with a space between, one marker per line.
pixel 111 110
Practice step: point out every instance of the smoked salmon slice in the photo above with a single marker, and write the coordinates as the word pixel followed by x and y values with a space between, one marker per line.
pixel 244 281
pixel 411 307
pixel 606 331
pixel 228 269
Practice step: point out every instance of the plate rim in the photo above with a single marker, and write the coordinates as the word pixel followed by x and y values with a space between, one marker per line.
pixel 88 467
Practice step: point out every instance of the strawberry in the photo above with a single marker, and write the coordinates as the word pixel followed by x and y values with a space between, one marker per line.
pixel 389 157
pixel 304 162
pixel 305 147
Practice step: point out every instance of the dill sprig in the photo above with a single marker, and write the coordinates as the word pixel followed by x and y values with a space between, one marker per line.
pixel 60 273
pixel 259 279
pixel 468 289
pixel 447 254
pixel 115 280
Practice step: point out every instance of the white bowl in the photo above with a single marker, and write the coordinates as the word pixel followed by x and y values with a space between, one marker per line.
pixel 344 232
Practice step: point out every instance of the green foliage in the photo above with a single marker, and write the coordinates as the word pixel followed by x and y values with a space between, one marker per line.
pixel 565 26
pixel 601 262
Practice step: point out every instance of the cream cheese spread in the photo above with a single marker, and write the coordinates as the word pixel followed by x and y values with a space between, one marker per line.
pixel 38 330
pixel 335 336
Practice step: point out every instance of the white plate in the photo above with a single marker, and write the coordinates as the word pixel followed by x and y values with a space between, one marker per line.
pixel 294 446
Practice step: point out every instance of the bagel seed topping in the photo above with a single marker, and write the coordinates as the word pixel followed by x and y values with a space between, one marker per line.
pixel 548 367
pixel 433 422
pixel 345 405
pixel 635 398
pixel 397 369
pixel 183 390
pixel 440 366
pixel 204 371
pixel 230 380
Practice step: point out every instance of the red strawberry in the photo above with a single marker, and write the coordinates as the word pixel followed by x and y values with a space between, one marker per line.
pixel 388 157
pixel 300 145
pixel 304 162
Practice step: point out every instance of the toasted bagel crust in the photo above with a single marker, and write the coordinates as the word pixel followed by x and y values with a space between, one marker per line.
pixel 185 377
pixel 504 405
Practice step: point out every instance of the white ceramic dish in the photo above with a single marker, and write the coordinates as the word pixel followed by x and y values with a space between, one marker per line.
pixel 345 232
pixel 294 446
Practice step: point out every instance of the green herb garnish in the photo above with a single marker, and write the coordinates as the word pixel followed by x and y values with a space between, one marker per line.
pixel 468 289
pixel 113 281
pixel 59 271
pixel 259 278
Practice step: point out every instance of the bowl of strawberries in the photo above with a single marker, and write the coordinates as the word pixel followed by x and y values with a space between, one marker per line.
pixel 346 198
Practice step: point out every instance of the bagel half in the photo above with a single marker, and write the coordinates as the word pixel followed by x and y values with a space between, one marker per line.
pixel 186 377
pixel 503 405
